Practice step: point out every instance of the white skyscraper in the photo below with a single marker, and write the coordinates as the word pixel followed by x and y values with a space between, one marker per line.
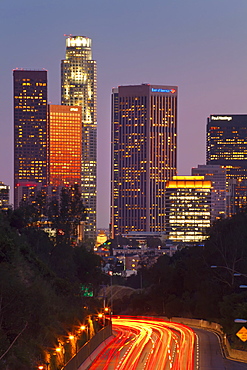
pixel 78 87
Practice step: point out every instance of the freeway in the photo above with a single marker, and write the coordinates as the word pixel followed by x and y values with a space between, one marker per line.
pixel 147 343
pixel 210 356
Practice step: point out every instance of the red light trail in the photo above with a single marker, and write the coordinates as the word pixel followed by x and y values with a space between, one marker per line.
pixel 147 343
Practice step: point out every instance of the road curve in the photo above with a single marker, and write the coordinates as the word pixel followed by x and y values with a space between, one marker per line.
pixel 210 356
pixel 149 344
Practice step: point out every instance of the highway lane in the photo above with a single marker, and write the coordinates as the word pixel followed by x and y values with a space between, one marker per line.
pixel 151 344
pixel 210 356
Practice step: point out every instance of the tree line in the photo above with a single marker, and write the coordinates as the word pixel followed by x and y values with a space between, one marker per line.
pixel 41 280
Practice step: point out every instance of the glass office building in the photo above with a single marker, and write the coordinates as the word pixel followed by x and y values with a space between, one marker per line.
pixel 78 88
pixel 64 145
pixel 30 127
pixel 144 155
pixel 227 146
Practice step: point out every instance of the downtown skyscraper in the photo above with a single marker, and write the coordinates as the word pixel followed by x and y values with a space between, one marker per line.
pixel 78 88
pixel 144 156
pixel 227 144
pixel 64 145
pixel 30 127
pixel 227 147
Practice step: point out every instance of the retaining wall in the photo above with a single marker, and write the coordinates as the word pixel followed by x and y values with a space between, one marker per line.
pixel 85 351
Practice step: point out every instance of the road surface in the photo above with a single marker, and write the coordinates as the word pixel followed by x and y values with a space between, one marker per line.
pixel 147 344
pixel 155 344
pixel 209 354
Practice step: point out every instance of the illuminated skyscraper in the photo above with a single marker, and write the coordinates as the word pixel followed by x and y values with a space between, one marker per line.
pixel 227 146
pixel 188 208
pixel 144 155
pixel 30 127
pixel 78 87
pixel 64 145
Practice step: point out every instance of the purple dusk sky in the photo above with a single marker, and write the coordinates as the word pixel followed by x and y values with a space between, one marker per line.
pixel 199 45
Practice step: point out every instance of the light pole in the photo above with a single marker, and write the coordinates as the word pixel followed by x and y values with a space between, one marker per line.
pixel 110 273
pixel 82 328
pixel 60 354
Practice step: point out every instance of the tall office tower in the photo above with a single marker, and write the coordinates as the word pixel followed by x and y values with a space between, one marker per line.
pixel 78 87
pixel 217 175
pixel 114 163
pixel 64 145
pixel 227 146
pixel 144 156
pixel 30 127
pixel 188 208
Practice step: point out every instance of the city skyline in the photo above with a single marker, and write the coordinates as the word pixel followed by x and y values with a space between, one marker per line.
pixel 198 47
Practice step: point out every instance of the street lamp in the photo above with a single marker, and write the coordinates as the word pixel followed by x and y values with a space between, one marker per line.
pixel 102 317
pixel 60 354
pixel 84 328
pixel 41 367
pixel 73 343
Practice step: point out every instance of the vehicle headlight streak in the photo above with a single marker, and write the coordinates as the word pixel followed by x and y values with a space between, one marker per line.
pixel 148 344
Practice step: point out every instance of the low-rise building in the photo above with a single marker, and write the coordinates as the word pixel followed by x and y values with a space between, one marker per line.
pixel 4 196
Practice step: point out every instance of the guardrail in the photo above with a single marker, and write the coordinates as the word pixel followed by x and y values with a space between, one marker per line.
pixel 88 348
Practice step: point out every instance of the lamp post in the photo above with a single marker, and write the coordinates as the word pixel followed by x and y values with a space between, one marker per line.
pixel 60 354
pixel 111 273
pixel 82 328
pixel 73 343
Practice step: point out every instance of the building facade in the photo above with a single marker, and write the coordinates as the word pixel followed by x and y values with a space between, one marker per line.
pixel 28 192
pixel 64 145
pixel 217 175
pixel 188 208
pixel 4 196
pixel 78 88
pixel 30 127
pixel 227 146
pixel 144 156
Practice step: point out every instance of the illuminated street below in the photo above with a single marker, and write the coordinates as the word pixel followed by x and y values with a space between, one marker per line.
pixel 147 343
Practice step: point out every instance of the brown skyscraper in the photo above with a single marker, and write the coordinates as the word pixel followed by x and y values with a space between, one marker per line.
pixel 30 127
